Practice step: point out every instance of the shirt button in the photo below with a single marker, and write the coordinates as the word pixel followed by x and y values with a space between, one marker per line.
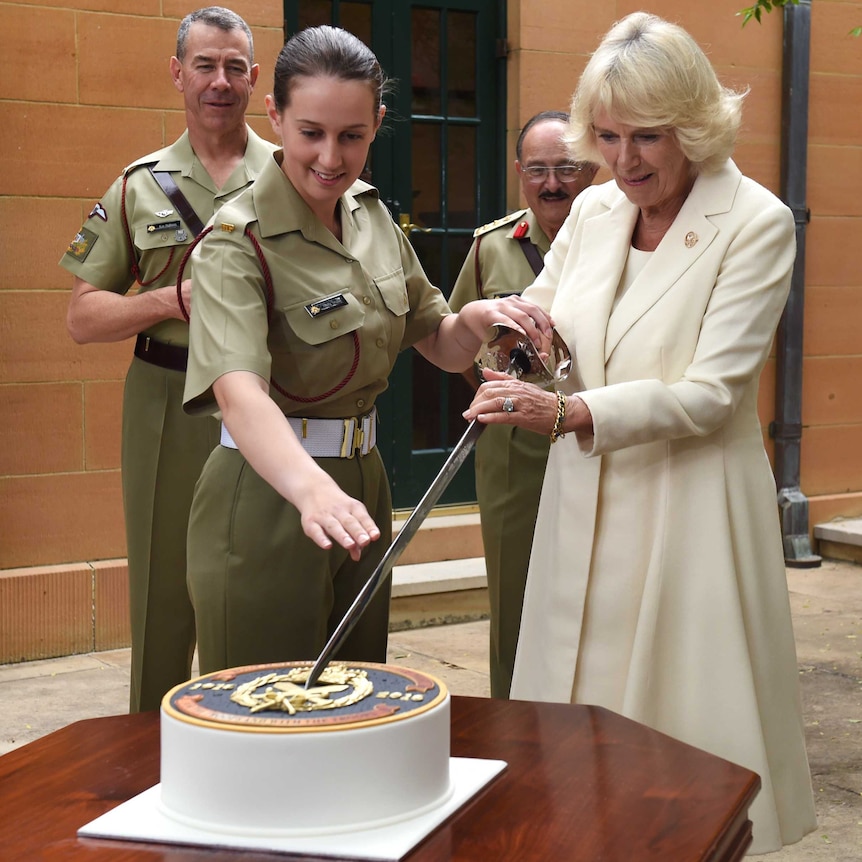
pixel 366 300
pixel 333 324
pixel 380 342
pixel 360 402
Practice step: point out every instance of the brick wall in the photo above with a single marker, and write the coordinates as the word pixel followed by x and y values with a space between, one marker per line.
pixel 86 90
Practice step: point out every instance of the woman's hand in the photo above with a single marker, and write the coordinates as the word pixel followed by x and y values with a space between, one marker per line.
pixel 504 400
pixel 511 311
pixel 458 338
pixel 532 408
pixel 328 514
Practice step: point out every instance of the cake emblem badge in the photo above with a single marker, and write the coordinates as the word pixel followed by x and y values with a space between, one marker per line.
pixel 285 691
pixel 274 696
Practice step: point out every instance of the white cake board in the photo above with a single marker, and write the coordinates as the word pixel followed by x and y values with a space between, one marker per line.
pixel 141 819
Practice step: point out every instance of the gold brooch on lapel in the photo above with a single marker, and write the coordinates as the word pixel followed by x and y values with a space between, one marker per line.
pixel 691 239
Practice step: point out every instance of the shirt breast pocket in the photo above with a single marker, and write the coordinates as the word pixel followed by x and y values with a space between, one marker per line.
pixel 393 289
pixel 160 246
pixel 323 319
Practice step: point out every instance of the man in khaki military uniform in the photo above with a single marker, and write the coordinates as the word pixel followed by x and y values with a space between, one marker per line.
pixel 505 258
pixel 136 236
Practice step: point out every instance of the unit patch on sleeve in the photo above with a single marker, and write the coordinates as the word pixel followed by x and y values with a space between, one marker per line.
pixel 82 244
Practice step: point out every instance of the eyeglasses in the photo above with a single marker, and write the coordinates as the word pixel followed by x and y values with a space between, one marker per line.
pixel 564 173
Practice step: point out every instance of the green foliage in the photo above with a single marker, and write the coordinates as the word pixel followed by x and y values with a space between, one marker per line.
pixel 761 6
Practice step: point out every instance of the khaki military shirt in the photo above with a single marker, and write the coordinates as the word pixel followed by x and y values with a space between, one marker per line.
pixel 503 266
pixel 340 311
pixel 103 251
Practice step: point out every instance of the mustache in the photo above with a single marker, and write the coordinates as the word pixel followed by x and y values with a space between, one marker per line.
pixel 554 196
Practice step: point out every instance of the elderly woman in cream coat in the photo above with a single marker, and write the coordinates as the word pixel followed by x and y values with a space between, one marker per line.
pixel 656 584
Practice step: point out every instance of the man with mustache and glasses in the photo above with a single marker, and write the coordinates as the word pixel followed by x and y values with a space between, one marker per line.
pixel 505 258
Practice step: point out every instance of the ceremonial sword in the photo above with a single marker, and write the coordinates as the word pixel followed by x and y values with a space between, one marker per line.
pixel 507 350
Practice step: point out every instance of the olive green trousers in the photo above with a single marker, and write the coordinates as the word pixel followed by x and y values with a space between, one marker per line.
pixel 262 590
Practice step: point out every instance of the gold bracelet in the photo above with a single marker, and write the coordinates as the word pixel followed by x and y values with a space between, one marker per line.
pixel 557 430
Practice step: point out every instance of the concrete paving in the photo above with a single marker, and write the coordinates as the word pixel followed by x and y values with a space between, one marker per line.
pixel 41 696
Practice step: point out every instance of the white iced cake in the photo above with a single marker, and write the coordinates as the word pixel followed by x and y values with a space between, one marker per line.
pixel 250 750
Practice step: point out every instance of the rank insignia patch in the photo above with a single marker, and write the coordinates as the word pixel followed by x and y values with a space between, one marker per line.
pixel 328 303
pixel 163 225
pixel 82 244
pixel 99 211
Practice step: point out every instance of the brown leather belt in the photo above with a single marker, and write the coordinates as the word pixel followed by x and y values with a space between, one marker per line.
pixel 172 356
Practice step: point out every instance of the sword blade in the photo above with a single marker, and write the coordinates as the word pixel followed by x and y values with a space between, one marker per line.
pixel 384 567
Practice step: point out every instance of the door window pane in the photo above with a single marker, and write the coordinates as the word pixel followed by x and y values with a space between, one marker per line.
pixel 461 177
pixel 426 207
pixel 425 65
pixel 356 17
pixel 458 247
pixel 313 13
pixel 352 15
pixel 427 382
pixel 429 250
pixel 438 401
pixel 461 64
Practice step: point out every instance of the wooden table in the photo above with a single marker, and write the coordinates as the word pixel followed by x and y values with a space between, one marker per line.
pixel 583 785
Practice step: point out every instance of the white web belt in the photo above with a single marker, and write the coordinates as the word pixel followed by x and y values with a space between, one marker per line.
pixel 328 438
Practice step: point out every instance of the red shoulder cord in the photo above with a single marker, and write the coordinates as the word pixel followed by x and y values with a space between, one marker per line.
pixel 136 270
pixel 267 280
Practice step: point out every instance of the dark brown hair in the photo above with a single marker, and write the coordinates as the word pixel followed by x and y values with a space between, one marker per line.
pixel 326 52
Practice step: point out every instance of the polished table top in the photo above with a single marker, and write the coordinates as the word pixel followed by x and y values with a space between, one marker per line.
pixel 582 785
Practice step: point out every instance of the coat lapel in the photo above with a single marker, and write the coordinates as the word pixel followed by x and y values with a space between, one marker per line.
pixel 688 238
pixel 604 245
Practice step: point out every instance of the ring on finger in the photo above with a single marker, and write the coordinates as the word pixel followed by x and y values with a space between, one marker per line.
pixel 508 405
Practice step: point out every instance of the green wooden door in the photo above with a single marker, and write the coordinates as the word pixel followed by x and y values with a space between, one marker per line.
pixel 438 163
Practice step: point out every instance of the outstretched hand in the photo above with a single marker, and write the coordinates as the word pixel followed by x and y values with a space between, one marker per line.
pixel 328 514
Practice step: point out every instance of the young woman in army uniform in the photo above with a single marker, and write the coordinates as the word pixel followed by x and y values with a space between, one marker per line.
pixel 305 292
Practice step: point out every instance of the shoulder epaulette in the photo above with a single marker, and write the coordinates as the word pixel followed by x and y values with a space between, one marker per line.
pixel 144 161
pixel 128 171
pixel 360 187
pixel 493 225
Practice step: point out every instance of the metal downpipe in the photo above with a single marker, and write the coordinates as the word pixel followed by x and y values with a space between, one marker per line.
pixel 786 429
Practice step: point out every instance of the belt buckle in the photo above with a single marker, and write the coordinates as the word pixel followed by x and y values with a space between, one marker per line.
pixel 368 431
pixel 348 439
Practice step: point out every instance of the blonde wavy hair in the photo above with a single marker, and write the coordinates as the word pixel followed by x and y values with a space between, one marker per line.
pixel 650 73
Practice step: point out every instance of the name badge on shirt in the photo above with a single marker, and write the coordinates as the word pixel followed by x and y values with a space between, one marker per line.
pixel 163 225
pixel 328 303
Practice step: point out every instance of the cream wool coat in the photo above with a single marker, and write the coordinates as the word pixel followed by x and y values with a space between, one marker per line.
pixel 656 583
